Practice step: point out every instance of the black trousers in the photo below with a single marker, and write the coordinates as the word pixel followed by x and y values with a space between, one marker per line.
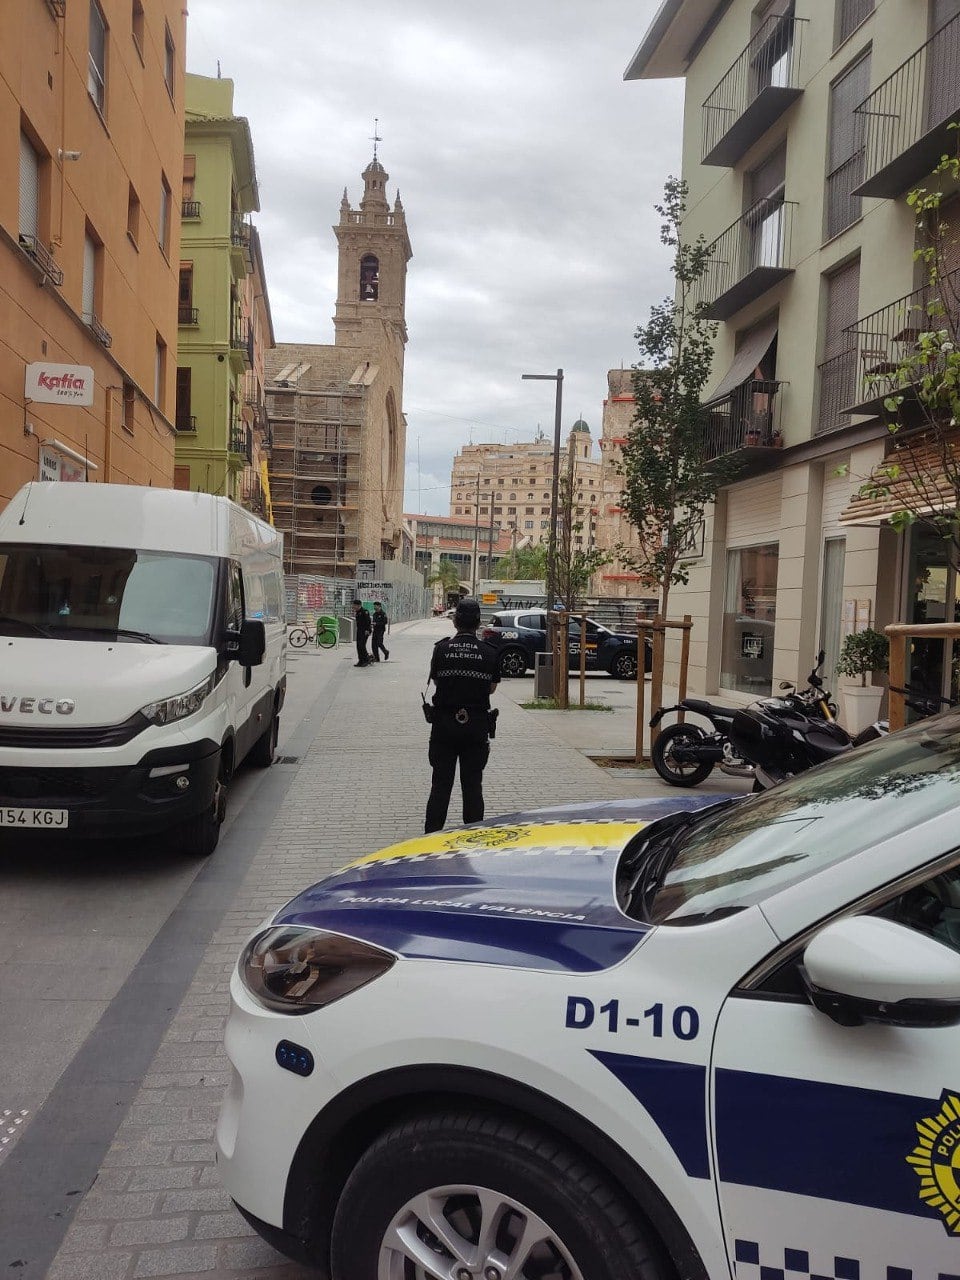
pixel 362 655
pixel 452 744
pixel 378 646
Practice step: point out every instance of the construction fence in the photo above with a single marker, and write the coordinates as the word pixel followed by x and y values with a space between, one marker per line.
pixel 396 586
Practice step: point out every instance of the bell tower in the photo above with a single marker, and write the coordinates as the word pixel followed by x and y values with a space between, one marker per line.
pixel 374 252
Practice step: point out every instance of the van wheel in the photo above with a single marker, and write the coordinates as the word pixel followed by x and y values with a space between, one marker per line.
pixel 200 835
pixel 482 1195
pixel 264 750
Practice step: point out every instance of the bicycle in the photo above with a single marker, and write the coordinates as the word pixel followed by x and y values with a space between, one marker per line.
pixel 325 636
pixel 297 637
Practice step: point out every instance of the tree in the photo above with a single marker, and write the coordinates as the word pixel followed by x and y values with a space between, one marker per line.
pixel 921 474
pixel 573 566
pixel 526 564
pixel 667 487
pixel 447 576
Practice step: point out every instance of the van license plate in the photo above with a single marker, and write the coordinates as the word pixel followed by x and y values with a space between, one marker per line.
pixel 52 818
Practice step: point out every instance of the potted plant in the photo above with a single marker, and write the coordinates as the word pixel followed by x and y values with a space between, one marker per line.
pixel 861 654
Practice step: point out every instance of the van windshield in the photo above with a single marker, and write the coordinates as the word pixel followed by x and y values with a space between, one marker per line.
pixel 105 593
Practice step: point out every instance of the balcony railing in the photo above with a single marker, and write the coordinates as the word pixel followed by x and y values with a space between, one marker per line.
pixel 754 93
pixel 241 238
pixel 241 339
pixel 186 422
pixel 743 420
pixel 906 119
pixel 188 316
pixel 41 256
pixel 190 209
pixel 241 440
pixel 843 206
pixel 883 340
pixel 750 257
pixel 838 383
pixel 99 331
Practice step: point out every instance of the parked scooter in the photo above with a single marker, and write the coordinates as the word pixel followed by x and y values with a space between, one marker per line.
pixel 685 754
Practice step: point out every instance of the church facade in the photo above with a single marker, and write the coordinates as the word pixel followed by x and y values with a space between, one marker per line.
pixel 335 412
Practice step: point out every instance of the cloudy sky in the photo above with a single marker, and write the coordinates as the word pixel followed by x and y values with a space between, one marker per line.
pixel 527 167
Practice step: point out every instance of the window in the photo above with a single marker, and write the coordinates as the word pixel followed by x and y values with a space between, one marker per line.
pixel 185 312
pixel 97 57
pixel 458 511
pixel 369 278
pixel 850 13
pixel 169 60
pixel 163 230
pixel 184 419
pixel 484 511
pixel 486 480
pixel 513 497
pixel 159 372
pixel 831 604
pixel 498 511
pixel 846 146
pixel 528 511
pixel 511 511
pixel 137 26
pixel 749 619
pixel 528 524
pixel 765 211
pixel 544 511
pixel 544 524
pixel 129 405
pixel 29 224
pixel 91 255
pixel 838 369
pixel 133 216
pixel 189 177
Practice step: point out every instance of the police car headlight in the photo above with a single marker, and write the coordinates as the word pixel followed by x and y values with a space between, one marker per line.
pixel 291 969
pixel 181 705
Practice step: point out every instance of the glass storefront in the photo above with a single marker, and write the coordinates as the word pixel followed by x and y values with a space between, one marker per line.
pixel 933 587
pixel 749 619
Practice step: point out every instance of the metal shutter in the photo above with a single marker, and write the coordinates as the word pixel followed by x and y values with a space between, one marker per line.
pixel 89 277
pixel 843 300
pixel 846 129
pixel 753 513
pixel 768 177
pixel 29 188
pixel 852 13
pixel 836 496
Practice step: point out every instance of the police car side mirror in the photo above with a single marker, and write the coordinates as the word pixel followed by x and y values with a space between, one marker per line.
pixel 865 969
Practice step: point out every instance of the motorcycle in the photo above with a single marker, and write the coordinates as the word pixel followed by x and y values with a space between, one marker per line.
pixel 686 754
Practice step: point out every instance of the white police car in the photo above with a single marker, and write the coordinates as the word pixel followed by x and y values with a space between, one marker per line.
pixel 622 1042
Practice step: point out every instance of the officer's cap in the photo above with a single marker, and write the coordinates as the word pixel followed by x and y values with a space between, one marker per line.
pixel 467 613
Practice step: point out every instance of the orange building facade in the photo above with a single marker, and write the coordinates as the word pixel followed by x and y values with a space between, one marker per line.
pixel 91 143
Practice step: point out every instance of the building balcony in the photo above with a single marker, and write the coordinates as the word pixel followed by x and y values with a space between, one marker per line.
pixel 241 341
pixel 905 121
pixel 190 210
pixel 241 441
pixel 99 331
pixel 881 341
pixel 750 257
pixel 42 258
pixel 188 317
pixel 744 422
pixel 759 87
pixel 838 384
pixel 241 241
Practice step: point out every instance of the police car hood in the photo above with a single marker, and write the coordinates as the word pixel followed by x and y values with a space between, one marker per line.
pixel 534 894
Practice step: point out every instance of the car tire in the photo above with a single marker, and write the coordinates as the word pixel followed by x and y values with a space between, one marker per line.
pixel 264 750
pixel 624 666
pixel 200 835
pixel 585 1228
pixel 678 775
pixel 513 663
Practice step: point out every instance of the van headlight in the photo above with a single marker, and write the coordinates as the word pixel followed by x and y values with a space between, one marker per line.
pixel 181 705
pixel 294 969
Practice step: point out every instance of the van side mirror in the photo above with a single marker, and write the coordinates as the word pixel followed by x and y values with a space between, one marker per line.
pixel 252 642
pixel 864 969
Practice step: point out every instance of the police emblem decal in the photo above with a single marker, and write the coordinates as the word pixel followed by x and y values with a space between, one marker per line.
pixel 936 1161
pixel 485 837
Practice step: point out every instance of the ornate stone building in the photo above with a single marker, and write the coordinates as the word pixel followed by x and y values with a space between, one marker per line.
pixel 335 412
pixel 613 528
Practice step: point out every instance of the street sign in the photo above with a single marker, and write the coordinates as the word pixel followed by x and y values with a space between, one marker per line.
pixel 47 383
pixel 54 466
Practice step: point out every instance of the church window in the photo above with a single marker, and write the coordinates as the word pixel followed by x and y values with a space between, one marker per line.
pixel 513 497
pixel 369 278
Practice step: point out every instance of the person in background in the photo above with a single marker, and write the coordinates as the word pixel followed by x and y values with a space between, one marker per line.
pixel 465 672
pixel 361 622
pixel 380 622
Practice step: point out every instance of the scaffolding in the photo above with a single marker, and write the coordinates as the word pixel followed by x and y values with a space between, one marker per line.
pixel 315 475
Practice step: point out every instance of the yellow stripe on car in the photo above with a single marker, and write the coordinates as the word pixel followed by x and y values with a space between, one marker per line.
pixel 538 837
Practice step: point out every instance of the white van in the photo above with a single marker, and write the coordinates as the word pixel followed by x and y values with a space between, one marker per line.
pixel 142 658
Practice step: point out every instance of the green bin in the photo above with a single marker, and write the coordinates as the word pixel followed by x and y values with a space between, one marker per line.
pixel 328 622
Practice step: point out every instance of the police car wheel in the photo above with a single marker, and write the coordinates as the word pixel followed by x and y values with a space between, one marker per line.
pixel 479 1197
pixel 513 663
pixel 625 667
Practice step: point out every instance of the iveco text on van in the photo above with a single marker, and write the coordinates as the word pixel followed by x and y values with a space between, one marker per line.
pixel 142 658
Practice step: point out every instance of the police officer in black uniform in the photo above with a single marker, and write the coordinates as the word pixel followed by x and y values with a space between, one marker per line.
pixel 465 672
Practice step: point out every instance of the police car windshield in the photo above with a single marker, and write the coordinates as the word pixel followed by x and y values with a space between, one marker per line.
pixel 739 856
pixel 105 593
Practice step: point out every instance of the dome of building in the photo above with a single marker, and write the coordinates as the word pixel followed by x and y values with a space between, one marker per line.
pixel 580 425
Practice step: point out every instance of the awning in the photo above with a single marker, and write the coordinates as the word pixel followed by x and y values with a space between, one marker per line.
pixel 752 351
pixel 920 483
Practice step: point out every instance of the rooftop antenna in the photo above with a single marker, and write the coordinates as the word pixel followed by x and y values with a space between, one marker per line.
pixel 218 69
pixel 376 135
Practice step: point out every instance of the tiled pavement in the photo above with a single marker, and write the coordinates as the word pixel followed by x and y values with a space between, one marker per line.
pixel 359 781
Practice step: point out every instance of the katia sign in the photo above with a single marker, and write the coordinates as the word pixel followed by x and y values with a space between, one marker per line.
pixel 59 383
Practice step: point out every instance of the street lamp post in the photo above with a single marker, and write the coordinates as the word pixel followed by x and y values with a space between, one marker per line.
pixel 555 489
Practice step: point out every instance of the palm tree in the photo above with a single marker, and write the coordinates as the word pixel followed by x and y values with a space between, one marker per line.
pixel 447 576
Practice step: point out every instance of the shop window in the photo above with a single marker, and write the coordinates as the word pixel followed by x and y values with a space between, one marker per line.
pixel 749 619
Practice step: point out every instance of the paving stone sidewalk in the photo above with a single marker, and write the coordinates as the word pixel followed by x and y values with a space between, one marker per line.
pixel 156 1207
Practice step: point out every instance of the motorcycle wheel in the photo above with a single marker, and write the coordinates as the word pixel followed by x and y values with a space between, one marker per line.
pixel 679 773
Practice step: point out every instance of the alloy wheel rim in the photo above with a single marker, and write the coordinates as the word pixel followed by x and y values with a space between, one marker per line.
pixel 466 1232
pixel 681 767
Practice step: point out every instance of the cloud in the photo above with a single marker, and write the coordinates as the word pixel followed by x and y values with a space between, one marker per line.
pixel 527 168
